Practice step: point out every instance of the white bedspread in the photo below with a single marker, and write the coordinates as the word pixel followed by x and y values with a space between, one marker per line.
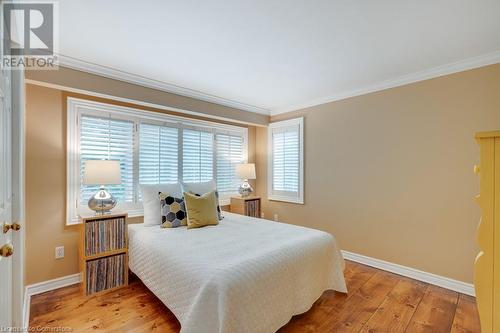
pixel 244 275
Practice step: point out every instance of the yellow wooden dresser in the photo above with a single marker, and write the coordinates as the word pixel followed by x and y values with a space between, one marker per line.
pixel 487 265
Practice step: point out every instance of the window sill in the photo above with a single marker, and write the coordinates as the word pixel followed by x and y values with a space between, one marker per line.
pixel 225 198
pixel 131 213
pixel 299 201
pixel 225 202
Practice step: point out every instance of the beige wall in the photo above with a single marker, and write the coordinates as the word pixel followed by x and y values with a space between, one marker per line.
pixel 46 188
pixel 390 173
pixel 46 184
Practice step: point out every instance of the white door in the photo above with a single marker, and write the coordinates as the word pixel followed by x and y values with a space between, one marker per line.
pixel 12 103
pixel 6 244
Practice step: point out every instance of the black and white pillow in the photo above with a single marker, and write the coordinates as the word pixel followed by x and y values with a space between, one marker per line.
pixel 173 211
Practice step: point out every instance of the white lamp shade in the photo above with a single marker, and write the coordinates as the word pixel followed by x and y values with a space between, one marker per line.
pixel 101 172
pixel 245 171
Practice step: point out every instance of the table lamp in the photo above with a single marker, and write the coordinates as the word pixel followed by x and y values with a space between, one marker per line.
pixel 245 172
pixel 102 172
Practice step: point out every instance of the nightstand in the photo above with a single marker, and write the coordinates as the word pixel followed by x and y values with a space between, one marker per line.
pixel 249 206
pixel 103 252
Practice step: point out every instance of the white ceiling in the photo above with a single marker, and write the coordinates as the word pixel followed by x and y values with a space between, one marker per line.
pixel 270 55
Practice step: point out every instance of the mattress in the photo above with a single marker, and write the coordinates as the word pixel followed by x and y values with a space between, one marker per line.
pixel 243 275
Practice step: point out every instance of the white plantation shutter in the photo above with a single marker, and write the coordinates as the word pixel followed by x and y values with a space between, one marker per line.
pixel 286 159
pixel 108 139
pixel 197 155
pixel 158 154
pixel 230 151
pixel 286 167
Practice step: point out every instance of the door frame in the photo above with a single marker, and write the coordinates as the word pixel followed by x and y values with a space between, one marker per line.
pixel 20 306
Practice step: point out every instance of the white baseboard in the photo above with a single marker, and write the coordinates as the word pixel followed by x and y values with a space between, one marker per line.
pixel 41 287
pixel 440 281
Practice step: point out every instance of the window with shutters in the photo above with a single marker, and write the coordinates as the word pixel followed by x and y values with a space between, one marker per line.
pixel 197 156
pixel 152 148
pixel 230 152
pixel 108 139
pixel 286 166
pixel 158 154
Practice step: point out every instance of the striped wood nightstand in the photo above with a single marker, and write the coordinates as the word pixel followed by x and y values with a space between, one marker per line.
pixel 103 252
pixel 249 206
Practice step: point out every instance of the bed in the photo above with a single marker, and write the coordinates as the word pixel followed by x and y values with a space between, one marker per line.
pixel 243 275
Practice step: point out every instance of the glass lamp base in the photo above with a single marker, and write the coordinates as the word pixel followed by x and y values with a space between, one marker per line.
pixel 245 189
pixel 102 202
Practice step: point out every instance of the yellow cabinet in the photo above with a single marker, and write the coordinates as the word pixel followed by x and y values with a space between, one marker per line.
pixel 487 265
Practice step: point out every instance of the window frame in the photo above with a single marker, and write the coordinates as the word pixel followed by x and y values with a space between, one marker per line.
pixel 297 198
pixel 77 107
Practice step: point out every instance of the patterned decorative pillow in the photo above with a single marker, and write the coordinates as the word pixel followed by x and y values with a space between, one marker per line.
pixel 219 211
pixel 173 211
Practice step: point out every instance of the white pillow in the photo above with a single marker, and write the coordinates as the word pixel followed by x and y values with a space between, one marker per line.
pixel 199 188
pixel 151 200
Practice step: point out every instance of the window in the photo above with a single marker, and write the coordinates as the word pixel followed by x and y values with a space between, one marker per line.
pixel 286 166
pixel 107 139
pixel 158 154
pixel 197 156
pixel 230 151
pixel 152 148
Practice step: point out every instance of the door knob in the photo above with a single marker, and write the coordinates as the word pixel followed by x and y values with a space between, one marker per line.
pixel 7 250
pixel 477 169
pixel 13 226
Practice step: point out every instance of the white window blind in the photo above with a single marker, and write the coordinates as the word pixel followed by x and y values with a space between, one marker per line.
pixel 158 154
pixel 230 151
pixel 108 139
pixel 197 155
pixel 286 167
pixel 286 159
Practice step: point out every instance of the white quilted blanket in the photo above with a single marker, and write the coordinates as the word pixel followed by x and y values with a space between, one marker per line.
pixel 244 275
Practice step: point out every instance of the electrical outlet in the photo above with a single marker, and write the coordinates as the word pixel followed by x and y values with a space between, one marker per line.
pixel 59 252
pixel 276 217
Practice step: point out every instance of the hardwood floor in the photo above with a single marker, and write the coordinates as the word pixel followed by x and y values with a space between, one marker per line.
pixel 377 301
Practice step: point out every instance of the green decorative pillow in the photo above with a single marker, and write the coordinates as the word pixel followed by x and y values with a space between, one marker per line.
pixel 219 211
pixel 201 210
pixel 173 211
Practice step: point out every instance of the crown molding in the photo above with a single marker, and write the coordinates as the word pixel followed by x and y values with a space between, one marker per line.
pixel 116 74
pixel 454 67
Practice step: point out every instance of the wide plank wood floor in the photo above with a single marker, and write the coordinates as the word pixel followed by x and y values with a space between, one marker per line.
pixel 377 301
